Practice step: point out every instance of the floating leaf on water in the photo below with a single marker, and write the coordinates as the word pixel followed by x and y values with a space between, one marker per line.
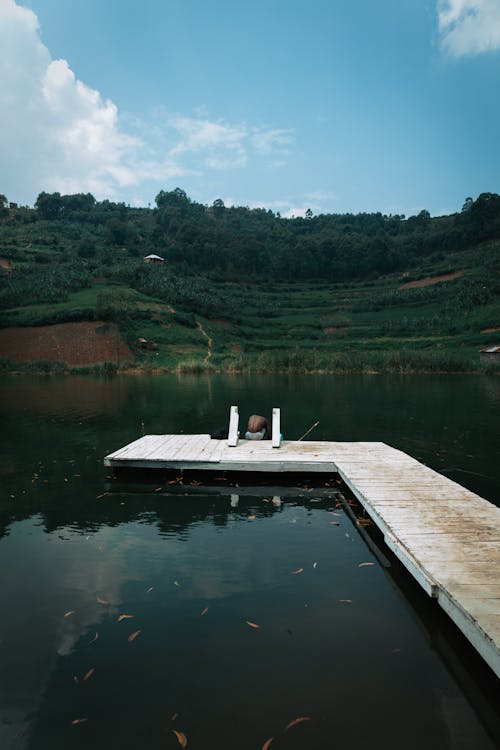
pixel 345 601
pixel 296 572
pixel 251 518
pixel 181 738
pixel 125 617
pixel 133 636
pixel 88 674
pixel 204 612
pixel 365 565
pixel 102 601
pixel 69 613
pixel 299 720
pixel 94 638
pixel 252 624
pixel 79 721
pixel 267 743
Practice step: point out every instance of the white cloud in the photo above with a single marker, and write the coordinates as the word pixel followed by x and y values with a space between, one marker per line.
pixel 265 141
pixel 226 145
pixel 57 133
pixel 288 207
pixel 295 212
pixel 60 134
pixel 318 198
pixel 199 134
pixel 469 26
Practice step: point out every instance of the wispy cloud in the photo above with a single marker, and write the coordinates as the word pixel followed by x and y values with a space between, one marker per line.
pixel 469 27
pixel 60 134
pixel 318 201
pixel 226 145
pixel 198 134
pixel 267 141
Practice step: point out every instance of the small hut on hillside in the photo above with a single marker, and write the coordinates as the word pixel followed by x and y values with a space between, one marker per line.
pixel 153 259
pixel 490 354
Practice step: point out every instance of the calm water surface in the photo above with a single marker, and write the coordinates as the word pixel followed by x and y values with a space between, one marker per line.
pixel 360 651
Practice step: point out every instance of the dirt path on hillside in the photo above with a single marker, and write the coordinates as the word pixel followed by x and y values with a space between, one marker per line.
pixel 209 341
pixel 430 280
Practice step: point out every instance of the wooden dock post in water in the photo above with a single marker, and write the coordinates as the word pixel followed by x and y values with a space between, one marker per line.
pixel 447 537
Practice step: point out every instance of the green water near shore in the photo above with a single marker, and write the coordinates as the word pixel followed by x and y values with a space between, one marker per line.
pixel 359 651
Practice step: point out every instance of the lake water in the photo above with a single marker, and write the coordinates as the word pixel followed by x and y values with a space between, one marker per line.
pixel 360 654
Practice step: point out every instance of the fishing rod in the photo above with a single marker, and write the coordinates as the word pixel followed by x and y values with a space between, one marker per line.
pixel 308 431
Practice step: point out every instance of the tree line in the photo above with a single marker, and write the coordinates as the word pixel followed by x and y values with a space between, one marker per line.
pixel 242 244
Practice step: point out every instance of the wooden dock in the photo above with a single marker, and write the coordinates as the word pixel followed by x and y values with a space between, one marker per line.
pixel 446 536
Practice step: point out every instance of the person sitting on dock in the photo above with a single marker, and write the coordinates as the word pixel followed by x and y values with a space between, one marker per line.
pixel 258 428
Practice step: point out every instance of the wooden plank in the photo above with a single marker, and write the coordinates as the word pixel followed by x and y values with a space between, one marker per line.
pixel 276 429
pixel 141 446
pixel 169 449
pixel 140 449
pixel 445 535
pixel 482 606
pixel 194 450
pixel 233 433
pixel 455 576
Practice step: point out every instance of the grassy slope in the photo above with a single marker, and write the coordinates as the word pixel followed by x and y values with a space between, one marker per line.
pixel 298 327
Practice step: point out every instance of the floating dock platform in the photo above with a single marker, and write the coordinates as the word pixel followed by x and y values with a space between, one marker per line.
pixel 446 536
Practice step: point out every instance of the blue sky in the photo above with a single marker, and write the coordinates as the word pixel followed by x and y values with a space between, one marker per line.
pixel 345 105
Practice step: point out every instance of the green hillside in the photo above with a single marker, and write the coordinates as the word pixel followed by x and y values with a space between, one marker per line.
pixel 243 289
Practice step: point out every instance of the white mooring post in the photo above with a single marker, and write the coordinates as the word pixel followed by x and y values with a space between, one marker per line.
pixel 233 434
pixel 276 428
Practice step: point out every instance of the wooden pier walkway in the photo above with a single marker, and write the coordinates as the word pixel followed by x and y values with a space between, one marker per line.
pixel 446 536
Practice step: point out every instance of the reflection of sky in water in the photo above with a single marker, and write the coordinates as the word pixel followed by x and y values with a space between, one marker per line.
pixel 333 634
pixel 363 669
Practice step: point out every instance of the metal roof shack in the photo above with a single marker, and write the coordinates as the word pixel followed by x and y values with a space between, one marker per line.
pixel 490 353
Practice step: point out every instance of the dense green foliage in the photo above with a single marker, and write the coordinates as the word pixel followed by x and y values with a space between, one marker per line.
pixel 245 288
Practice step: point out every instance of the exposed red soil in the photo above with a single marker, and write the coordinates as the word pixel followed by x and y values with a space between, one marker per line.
pixel 430 280
pixel 336 331
pixel 4 263
pixel 77 344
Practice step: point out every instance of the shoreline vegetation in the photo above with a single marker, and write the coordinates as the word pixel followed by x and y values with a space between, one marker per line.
pixel 239 290
pixel 383 364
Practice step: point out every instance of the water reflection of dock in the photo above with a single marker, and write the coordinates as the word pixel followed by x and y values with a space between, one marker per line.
pixel 446 536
